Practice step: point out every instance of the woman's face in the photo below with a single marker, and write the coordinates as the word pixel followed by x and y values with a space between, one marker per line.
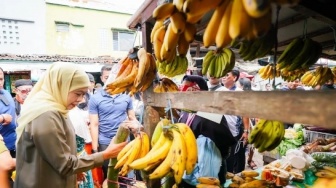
pixel 75 97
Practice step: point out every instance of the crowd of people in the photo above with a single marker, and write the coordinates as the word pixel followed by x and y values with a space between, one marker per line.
pixel 63 126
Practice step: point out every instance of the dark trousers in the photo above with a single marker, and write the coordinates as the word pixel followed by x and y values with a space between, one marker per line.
pixel 236 161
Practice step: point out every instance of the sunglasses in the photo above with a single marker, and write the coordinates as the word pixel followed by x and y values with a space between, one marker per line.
pixel 24 91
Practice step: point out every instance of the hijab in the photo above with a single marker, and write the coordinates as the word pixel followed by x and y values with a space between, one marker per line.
pixel 50 93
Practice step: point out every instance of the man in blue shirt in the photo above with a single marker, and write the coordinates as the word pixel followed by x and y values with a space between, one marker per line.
pixel 7 117
pixel 106 113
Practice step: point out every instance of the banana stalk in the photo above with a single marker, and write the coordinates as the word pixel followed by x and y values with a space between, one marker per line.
pixel 112 174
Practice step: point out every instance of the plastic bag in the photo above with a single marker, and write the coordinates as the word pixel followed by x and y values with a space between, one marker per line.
pixel 209 161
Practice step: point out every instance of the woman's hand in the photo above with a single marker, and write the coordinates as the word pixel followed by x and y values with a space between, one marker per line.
pixel 113 150
pixel 134 126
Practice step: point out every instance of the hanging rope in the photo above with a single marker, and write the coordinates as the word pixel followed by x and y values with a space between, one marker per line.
pixel 169 110
pixel 276 44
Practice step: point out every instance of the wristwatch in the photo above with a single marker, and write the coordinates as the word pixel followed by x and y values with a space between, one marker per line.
pixel 245 131
pixel 94 151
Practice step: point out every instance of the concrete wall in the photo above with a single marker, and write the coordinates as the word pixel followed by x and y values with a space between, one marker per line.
pixel 27 19
pixel 85 30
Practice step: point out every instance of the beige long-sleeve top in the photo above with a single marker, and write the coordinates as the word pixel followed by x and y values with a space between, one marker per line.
pixel 46 154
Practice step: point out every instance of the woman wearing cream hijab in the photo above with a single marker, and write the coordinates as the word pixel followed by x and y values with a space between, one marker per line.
pixel 46 145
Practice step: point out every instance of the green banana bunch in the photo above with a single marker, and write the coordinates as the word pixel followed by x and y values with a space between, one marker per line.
pixel 176 67
pixel 218 64
pixel 267 135
pixel 257 48
pixel 300 54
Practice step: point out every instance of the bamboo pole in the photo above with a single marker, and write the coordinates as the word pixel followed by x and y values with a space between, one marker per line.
pixel 112 174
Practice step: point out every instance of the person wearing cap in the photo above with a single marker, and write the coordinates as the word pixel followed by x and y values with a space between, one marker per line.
pixel 210 125
pixel 92 83
pixel 240 125
pixel 22 89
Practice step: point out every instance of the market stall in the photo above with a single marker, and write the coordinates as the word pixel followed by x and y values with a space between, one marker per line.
pixel 313 107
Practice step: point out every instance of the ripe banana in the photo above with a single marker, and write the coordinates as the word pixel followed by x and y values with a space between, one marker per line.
pixel 180 156
pixel 223 37
pixel 209 37
pixel 191 146
pixel 208 180
pixel 257 8
pixel 190 32
pixel 158 152
pixel 158 41
pixel 156 26
pixel 163 11
pixel 206 186
pixel 254 183
pixel 158 130
pixel 178 22
pixel 249 173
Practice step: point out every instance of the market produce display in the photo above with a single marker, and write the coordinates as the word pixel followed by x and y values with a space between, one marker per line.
pixel 267 72
pixel 165 85
pixel 134 75
pixel 134 150
pixel 293 138
pixel 175 150
pixel 267 135
pixel 247 178
pixel 218 63
pixel 319 76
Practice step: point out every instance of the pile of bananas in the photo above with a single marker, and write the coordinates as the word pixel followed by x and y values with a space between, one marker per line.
pixel 257 48
pixel 247 179
pixel 324 183
pixel 326 172
pixel 319 76
pixel 300 53
pixel 173 151
pixel 166 85
pixel 176 67
pixel 210 182
pixel 290 76
pixel 267 135
pixel 218 63
pixel 134 150
pixel 134 75
pixel 267 72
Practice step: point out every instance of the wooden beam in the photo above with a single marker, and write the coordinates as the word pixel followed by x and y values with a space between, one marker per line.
pixel 292 20
pixel 308 107
pixel 146 31
pixel 310 35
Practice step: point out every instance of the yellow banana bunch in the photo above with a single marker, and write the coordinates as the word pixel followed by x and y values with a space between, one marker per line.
pixel 166 85
pixel 158 153
pixel 134 150
pixel 208 180
pixel 267 72
pixel 174 150
pixel 324 182
pixel 134 75
pixel 267 135
pixel 219 63
pixel 319 76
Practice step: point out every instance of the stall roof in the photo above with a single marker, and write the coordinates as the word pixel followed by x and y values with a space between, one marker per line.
pixel 320 16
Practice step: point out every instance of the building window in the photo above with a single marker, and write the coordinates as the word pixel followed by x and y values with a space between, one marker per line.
pixel 104 37
pixel 7 34
pixel 122 40
pixel 62 27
